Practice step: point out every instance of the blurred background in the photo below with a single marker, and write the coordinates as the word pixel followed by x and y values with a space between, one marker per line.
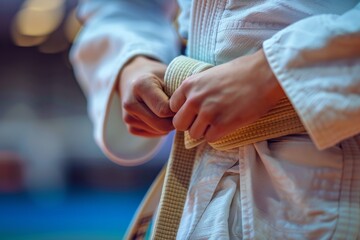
pixel 54 181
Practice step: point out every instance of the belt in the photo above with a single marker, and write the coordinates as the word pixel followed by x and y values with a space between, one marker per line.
pixel 280 121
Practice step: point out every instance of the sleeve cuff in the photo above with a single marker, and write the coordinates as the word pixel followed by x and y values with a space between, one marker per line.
pixel 109 130
pixel 314 109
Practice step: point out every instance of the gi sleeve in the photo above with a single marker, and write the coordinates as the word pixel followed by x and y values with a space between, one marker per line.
pixel 114 31
pixel 317 62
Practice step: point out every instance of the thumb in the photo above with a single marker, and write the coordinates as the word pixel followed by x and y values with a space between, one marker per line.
pixel 156 99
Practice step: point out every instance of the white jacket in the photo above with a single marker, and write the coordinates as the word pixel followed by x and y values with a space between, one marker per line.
pixel 311 58
pixel 313 48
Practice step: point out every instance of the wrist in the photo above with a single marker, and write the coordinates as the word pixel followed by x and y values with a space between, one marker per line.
pixel 270 84
pixel 134 65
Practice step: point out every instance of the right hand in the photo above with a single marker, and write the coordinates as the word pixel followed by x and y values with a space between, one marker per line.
pixel 145 106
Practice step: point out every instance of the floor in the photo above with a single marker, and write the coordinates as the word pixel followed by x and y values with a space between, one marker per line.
pixel 80 214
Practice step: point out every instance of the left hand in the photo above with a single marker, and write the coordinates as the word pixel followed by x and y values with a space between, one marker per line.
pixel 226 97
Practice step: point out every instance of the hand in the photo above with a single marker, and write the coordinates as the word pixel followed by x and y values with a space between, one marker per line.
pixel 145 106
pixel 224 98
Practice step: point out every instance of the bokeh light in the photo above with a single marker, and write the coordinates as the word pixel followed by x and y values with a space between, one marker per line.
pixel 38 22
pixel 45 23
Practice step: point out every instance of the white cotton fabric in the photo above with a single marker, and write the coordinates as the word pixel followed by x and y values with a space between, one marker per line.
pixel 296 187
pixel 282 188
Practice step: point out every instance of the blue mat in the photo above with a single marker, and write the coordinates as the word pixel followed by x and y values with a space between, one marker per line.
pixel 79 215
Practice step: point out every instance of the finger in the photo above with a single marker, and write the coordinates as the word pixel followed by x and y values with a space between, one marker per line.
pixel 133 122
pixel 177 100
pixel 154 97
pixel 184 118
pixel 143 113
pixel 198 128
pixel 143 133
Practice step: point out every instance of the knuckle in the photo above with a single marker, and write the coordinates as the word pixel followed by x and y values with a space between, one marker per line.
pixel 207 115
pixel 186 84
pixel 140 83
pixel 194 103
pixel 173 106
pixel 145 77
pixel 129 106
pixel 137 85
pixel 162 110
pixel 191 79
